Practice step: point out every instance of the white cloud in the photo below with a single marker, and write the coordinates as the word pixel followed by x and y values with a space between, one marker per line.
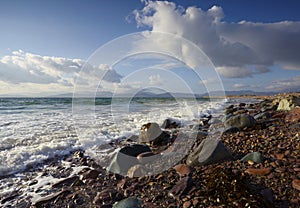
pixel 239 85
pixel 21 67
pixel 155 80
pixel 291 84
pixel 237 49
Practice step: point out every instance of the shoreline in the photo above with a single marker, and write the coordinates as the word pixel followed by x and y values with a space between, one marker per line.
pixel 273 182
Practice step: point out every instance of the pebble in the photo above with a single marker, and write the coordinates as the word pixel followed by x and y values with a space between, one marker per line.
pixel 258 172
pixel 186 204
pixel 182 169
pixel 296 184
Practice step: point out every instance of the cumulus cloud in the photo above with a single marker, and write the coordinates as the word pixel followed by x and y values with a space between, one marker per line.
pixel 22 67
pixel 237 49
pixel 155 80
pixel 291 84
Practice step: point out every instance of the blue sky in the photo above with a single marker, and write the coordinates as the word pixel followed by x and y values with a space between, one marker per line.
pixel 253 44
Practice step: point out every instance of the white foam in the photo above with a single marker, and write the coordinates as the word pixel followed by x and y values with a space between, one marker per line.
pixel 31 137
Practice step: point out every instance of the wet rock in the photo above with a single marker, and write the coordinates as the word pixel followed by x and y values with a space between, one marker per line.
pixel 240 121
pixel 258 171
pixel 9 197
pixel 293 115
pixel 130 202
pixel 296 184
pixel 50 197
pixel 255 157
pixel 182 169
pixel 241 111
pixel 90 174
pixel 135 149
pixel 264 115
pixel 231 130
pixel 181 187
pixel 126 158
pixel 170 124
pixel 104 196
pixel 208 152
pixel 288 103
pixel 151 133
pixel 65 182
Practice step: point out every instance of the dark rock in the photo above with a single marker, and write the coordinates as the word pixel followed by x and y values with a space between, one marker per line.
pixel 50 197
pixel 208 152
pixel 170 124
pixel 253 156
pixel 135 149
pixel 9 197
pixel 90 174
pixel 130 202
pixel 240 121
pixel 181 187
pixel 264 115
pixel 231 130
pixel 105 196
pixel 268 195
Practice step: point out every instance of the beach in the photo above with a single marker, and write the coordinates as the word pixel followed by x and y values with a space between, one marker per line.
pixel 254 163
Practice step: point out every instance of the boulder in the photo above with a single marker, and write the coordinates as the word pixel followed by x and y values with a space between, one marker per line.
pixel 208 152
pixel 288 103
pixel 126 158
pixel 253 156
pixel 239 121
pixel 151 133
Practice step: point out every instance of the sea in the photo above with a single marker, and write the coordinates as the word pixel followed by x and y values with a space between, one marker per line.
pixel 33 130
pixel 36 130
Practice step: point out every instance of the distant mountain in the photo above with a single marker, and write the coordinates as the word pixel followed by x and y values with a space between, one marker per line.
pixel 99 94
pixel 237 93
pixel 153 94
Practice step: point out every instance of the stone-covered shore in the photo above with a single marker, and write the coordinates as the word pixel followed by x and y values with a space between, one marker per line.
pixel 262 169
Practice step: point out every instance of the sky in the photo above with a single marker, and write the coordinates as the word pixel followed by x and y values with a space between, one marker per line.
pixel 50 47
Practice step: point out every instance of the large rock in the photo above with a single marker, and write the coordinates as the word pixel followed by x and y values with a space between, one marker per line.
pixel 288 103
pixel 239 121
pixel 126 158
pixel 151 133
pixel 208 152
